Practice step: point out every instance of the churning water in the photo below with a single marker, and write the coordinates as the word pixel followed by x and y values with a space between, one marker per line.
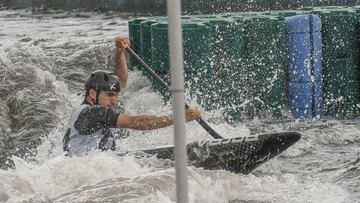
pixel 44 59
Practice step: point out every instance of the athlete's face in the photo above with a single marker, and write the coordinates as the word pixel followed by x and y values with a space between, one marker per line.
pixel 108 98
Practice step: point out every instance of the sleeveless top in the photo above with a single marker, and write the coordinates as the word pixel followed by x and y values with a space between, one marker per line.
pixel 89 129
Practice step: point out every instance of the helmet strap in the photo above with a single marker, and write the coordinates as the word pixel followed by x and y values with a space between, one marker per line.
pixel 97 97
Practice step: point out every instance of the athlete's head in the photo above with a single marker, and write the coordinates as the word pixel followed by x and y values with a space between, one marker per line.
pixel 102 88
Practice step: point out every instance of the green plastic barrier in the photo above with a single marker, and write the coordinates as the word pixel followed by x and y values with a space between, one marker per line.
pixel 252 80
pixel 284 13
pixel 339 34
pixel 159 47
pixel 196 44
pixel 338 96
pixel 145 39
pixel 237 61
pixel 134 38
pixel 265 40
pixel 267 88
pixel 265 65
pixel 340 61
pixel 197 59
pixel 342 108
pixel 340 76
pixel 228 53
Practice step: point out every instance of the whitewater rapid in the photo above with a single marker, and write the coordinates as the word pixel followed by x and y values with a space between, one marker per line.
pixel 44 59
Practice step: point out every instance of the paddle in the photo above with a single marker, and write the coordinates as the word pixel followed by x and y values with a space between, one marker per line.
pixel 211 131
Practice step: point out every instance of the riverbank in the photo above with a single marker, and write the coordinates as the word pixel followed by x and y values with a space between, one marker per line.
pixel 158 7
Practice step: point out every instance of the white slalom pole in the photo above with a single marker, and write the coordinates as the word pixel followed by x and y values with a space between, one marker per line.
pixel 177 92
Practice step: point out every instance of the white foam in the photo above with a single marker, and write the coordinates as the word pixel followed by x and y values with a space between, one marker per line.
pixel 62 174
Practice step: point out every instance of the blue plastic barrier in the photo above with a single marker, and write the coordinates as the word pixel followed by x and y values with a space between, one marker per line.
pixel 305 68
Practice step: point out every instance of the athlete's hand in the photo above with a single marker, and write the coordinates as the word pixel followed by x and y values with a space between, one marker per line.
pixel 121 43
pixel 192 114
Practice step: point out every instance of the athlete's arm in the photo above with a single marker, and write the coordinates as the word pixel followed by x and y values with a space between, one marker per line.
pixel 143 122
pixel 121 69
pixel 148 122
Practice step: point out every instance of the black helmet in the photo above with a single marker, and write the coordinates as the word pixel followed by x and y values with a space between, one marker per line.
pixel 102 81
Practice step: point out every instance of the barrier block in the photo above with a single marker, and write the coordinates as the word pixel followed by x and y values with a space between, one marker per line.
pixel 134 38
pixel 305 66
pixel 199 76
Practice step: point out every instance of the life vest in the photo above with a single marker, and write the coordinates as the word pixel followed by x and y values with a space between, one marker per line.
pixel 75 143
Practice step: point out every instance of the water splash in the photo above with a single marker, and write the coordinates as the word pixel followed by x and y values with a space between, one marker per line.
pixel 43 63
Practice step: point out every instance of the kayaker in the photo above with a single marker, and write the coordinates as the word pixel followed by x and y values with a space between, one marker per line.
pixel 89 126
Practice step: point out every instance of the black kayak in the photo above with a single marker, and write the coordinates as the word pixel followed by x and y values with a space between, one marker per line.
pixel 238 155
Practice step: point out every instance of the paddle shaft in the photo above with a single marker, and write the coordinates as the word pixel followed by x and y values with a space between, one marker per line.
pixel 211 131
